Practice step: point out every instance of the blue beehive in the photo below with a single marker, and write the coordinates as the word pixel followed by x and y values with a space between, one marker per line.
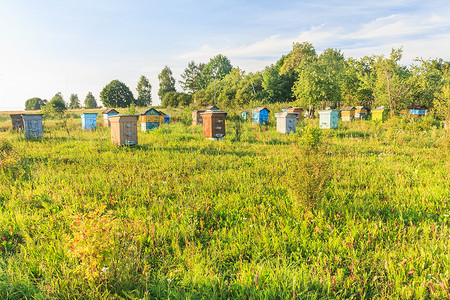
pixel 328 119
pixel 150 119
pixel 32 125
pixel 260 115
pixel 418 110
pixel 89 121
pixel 166 119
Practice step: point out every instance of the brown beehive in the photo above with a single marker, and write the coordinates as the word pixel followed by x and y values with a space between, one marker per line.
pixel 196 117
pixel 17 121
pixel 298 111
pixel 124 129
pixel 108 113
pixel 214 124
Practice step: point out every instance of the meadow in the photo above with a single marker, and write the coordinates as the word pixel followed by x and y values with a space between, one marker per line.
pixel 361 212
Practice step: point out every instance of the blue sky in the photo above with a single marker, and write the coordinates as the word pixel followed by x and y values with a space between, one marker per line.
pixel 80 46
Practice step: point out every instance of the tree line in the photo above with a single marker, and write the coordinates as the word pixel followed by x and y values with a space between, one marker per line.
pixel 114 94
pixel 302 77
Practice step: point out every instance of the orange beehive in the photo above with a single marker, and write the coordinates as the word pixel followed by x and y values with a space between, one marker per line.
pixel 124 129
pixel 298 111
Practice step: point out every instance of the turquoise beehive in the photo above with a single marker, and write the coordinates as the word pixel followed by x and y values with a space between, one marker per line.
pixel 89 121
pixel 328 119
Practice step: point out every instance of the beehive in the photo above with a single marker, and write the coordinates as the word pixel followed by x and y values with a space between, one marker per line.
pixel 150 119
pixel 108 113
pixel 124 129
pixel 418 111
pixel 298 111
pixel 245 115
pixel 260 115
pixel 348 113
pixel 89 121
pixel 166 119
pixel 284 108
pixel 286 122
pixel 196 117
pixel 32 125
pixel 214 124
pixel 17 121
pixel 380 114
pixel 328 119
pixel 360 112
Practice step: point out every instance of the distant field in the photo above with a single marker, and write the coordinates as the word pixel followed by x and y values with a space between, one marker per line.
pixel 179 216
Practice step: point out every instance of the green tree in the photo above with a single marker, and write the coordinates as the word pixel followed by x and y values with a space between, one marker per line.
pixel 89 101
pixel 35 103
pixel 192 77
pixel 57 104
pixel 277 87
pixel 217 68
pixel 166 82
pixel 116 94
pixel 319 82
pixel 74 102
pixel 391 84
pixel 144 90
pixel 170 99
pixel 300 55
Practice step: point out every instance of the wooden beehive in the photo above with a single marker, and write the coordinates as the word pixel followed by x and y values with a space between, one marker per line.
pixel 124 129
pixel 17 121
pixel 108 113
pixel 380 114
pixel 214 124
pixel 418 111
pixel 150 119
pixel 286 122
pixel 196 117
pixel 260 115
pixel 284 108
pixel 298 111
pixel 328 119
pixel 348 113
pixel 32 125
pixel 89 121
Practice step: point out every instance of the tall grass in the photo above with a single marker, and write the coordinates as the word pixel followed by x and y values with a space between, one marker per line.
pixel 179 216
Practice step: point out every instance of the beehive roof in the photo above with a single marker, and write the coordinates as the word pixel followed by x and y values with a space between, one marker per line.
pixel 348 108
pixel 110 110
pixel 210 107
pixel 418 107
pixel 360 107
pixel 259 109
pixel 150 109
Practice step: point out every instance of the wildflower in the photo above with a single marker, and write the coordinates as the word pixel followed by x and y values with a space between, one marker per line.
pixel 104 269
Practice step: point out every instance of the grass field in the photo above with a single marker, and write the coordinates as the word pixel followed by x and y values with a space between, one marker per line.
pixel 360 212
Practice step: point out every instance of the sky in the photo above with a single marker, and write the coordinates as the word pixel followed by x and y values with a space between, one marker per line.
pixel 76 47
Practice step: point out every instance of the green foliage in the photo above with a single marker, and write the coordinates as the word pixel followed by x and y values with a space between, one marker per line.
pixel 89 101
pixel 166 82
pixel 35 104
pixel 116 94
pixel 56 106
pixel 217 67
pixel 74 102
pixel 192 77
pixel 144 89
pixel 131 109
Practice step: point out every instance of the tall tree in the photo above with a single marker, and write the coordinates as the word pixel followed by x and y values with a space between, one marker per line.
pixel 217 68
pixel 144 90
pixel 319 82
pixel 192 77
pixel 116 94
pixel 89 101
pixel 277 87
pixel 74 102
pixel 166 82
pixel 57 104
pixel 35 103
pixel 391 88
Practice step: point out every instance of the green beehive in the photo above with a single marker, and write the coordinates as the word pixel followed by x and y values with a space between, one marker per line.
pixel 380 114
